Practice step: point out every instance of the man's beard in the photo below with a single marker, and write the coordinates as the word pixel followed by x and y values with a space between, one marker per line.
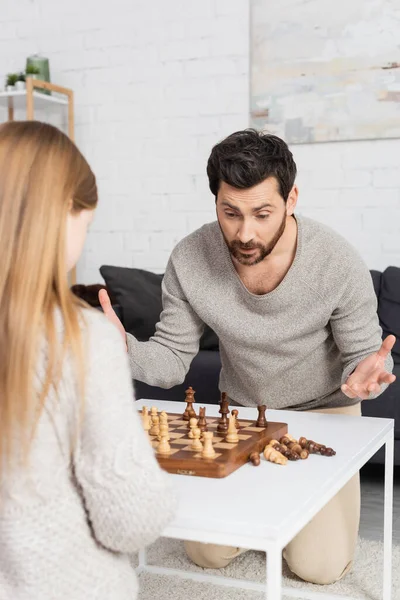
pixel 236 246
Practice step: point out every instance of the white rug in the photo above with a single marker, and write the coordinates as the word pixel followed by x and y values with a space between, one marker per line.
pixel 364 581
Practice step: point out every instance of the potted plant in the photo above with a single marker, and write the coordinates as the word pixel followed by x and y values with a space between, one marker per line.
pixel 11 80
pixel 32 71
pixel 20 83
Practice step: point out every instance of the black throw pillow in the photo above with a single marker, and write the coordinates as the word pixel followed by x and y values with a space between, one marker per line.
pixel 138 292
pixel 389 307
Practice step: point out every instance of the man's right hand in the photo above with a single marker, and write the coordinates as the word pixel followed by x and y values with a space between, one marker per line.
pixel 110 314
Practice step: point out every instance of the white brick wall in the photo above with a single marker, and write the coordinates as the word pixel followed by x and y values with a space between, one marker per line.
pixel 156 85
pixel 355 188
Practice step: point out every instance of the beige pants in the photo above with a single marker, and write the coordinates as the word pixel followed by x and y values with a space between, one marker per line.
pixel 323 551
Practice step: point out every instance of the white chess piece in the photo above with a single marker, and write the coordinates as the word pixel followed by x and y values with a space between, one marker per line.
pixel 232 435
pixel 155 425
pixel 196 444
pixel 164 430
pixel 193 426
pixel 163 447
pixel 208 450
pixel 146 419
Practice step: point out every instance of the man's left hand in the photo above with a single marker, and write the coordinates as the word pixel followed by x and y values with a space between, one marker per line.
pixel 370 373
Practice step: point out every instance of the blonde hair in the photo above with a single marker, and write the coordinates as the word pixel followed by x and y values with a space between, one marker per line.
pixel 41 173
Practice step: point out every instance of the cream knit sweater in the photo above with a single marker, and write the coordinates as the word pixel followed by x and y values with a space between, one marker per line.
pixel 68 523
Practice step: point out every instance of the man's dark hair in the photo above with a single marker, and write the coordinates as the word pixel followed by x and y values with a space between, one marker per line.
pixel 247 157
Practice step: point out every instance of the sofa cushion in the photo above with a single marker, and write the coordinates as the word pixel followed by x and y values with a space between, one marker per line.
pixel 377 281
pixel 138 292
pixel 203 376
pixel 389 307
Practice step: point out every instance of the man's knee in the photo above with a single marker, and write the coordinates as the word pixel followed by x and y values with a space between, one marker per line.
pixel 320 573
pixel 211 556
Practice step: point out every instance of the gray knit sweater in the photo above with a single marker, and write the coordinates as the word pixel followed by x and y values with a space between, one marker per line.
pixel 68 523
pixel 290 348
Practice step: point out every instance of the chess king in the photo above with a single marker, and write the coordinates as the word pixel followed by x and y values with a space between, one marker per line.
pixel 294 308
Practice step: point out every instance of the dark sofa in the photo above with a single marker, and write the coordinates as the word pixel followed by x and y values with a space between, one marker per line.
pixel 138 296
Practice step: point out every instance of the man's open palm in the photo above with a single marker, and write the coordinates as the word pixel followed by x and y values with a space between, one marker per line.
pixel 110 313
pixel 370 373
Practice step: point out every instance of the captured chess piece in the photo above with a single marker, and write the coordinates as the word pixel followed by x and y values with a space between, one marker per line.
pixel 196 443
pixel 232 435
pixel 274 456
pixel 261 421
pixel 202 423
pixel 208 449
pixel 284 450
pixel 255 458
pixel 315 448
pixel 189 399
pixel 223 411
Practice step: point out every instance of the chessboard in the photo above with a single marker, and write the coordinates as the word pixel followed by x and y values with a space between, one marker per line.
pixel 183 460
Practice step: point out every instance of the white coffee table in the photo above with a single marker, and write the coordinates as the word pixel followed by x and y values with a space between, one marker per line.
pixel 245 510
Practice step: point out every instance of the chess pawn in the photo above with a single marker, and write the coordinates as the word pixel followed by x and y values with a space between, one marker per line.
pixel 146 419
pixel 232 435
pixel 164 431
pixel 196 444
pixel 208 450
pixel 235 414
pixel 193 426
pixel 163 447
pixel 155 425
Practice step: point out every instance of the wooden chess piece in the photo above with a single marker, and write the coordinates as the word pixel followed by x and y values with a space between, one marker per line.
pixel 274 456
pixel 255 459
pixel 261 421
pixel 193 426
pixel 208 450
pixel 164 430
pixel 146 419
pixel 223 411
pixel 232 435
pixel 235 414
pixel 314 448
pixel 284 450
pixel 155 427
pixel 189 399
pixel 196 444
pixel 202 424
pixel 163 447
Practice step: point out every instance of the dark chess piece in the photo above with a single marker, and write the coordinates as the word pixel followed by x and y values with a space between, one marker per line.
pixel 261 421
pixel 255 458
pixel 224 411
pixel 202 424
pixel 189 399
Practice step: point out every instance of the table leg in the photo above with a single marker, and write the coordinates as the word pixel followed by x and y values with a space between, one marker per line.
pixel 274 574
pixel 388 518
